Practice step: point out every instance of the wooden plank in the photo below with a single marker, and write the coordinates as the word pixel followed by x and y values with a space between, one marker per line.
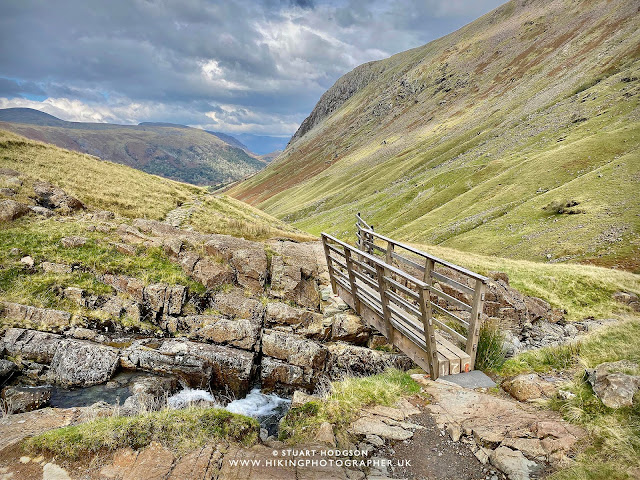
pixel 450 315
pixel 451 331
pixel 407 291
pixel 451 299
pixel 325 244
pixel 452 358
pixel 474 323
pixel 408 261
pixel 336 261
pixel 402 303
pixel 352 278
pixel 335 249
pixel 465 360
pixel 382 286
pixel 451 282
pixel 427 322
pixel 420 253
pixel 364 278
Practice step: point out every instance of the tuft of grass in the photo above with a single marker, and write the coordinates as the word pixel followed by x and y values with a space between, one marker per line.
pixel 341 405
pixel 541 360
pixel 179 430
pixel 491 353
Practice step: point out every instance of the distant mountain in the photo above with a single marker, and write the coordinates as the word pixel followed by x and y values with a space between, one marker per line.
pixel 161 124
pixel 230 140
pixel 172 151
pixel 270 157
pixel 517 135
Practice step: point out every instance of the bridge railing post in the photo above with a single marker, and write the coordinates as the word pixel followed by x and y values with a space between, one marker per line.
pixel 381 271
pixel 475 322
pixel 429 331
pixel 352 279
pixel 330 266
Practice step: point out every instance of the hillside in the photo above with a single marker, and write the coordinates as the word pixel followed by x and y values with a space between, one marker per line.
pixel 515 136
pixel 172 151
pixel 129 192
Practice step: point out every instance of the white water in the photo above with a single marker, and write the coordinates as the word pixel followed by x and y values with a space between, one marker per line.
pixel 267 409
pixel 258 405
pixel 189 396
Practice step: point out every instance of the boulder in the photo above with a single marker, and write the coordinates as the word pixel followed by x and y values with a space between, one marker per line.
pixel 324 435
pixel 6 370
pixel 167 299
pixel 349 328
pixel 345 360
pixel 28 261
pixel 513 463
pixel 295 350
pixel 528 387
pixel 279 313
pixel 198 365
pixel 281 376
pixel 295 273
pixel 117 307
pixel 50 196
pixel 133 287
pixel 235 304
pixel 43 212
pixel 300 398
pixel 81 363
pixel 614 384
pixel 241 333
pixel 11 210
pixel 211 273
pixel 41 318
pixel 73 241
pixel 373 425
pixel 31 345
pixel 25 399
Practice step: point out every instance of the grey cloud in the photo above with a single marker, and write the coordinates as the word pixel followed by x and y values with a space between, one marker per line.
pixel 266 61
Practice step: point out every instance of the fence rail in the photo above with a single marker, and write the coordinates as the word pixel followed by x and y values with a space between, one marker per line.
pixel 429 308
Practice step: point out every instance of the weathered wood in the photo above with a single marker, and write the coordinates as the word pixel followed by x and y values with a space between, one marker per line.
pixel 352 278
pixel 329 264
pixel 384 300
pixel 475 323
pixel 429 334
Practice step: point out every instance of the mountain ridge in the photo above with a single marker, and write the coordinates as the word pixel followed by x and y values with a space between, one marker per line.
pixel 174 151
pixel 542 95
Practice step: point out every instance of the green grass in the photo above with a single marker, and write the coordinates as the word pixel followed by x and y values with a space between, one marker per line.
pixel 491 353
pixel 179 430
pixel 132 193
pixel 611 450
pixel 342 404
pixel 472 166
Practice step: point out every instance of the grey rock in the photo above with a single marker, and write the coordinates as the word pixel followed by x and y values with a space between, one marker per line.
pixel 6 369
pixel 293 349
pixel 28 261
pixel 73 241
pixel 281 376
pixel 50 196
pixel 345 360
pixel 300 398
pixel 25 399
pixel 42 211
pixel 236 305
pixel 375 426
pixel 81 363
pixel 42 318
pixel 528 387
pixel 613 384
pixel 241 333
pixel 31 345
pixel 513 463
pixel 349 328
pixel 295 273
pixel 11 210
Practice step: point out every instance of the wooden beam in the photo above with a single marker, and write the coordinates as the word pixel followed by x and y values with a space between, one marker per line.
pixel 352 279
pixel 330 265
pixel 474 323
pixel 382 287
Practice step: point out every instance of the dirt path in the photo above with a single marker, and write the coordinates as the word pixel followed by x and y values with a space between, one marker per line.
pixel 177 216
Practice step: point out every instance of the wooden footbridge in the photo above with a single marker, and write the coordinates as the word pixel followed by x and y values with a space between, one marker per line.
pixel 427 307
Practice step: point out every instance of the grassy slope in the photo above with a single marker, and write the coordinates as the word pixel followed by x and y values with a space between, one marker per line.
pixel 183 154
pixel 465 140
pixel 130 192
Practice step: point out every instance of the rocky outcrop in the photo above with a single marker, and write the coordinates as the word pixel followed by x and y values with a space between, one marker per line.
pixel 30 344
pixel 294 273
pixel 52 197
pixel 241 333
pixel 210 273
pixel 613 384
pixel 248 259
pixel 198 365
pixel 349 328
pixel 11 210
pixel 78 363
pixel 43 318
pixel 295 350
pixel 285 377
pixel 25 399
pixel 344 360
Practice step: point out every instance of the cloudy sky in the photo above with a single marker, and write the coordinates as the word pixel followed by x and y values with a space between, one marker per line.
pixel 240 67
